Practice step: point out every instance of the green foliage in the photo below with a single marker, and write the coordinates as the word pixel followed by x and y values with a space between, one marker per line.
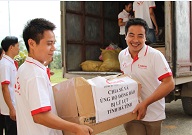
pixel 57 77
pixel 20 58
pixel 55 64
pixel 57 61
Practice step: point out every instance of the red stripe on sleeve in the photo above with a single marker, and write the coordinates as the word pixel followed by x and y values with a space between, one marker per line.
pixel 40 110
pixel 165 75
pixel 5 82
pixel 153 7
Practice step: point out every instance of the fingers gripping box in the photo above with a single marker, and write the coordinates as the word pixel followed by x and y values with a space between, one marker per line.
pixel 101 102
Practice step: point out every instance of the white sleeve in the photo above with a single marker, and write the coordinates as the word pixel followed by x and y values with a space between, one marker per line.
pixel 162 68
pixel 120 16
pixel 5 74
pixel 151 4
pixel 38 95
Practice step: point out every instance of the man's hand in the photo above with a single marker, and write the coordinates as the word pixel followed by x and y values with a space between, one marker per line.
pixel 12 114
pixel 156 31
pixel 140 109
pixel 84 130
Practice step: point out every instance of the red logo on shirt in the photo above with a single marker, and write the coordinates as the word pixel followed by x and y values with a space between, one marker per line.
pixel 17 87
pixel 142 66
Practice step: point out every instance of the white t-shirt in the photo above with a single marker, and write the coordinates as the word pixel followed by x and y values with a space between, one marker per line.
pixel 8 73
pixel 149 67
pixel 141 10
pixel 33 95
pixel 125 16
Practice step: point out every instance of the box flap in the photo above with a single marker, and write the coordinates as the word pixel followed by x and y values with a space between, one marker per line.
pixel 64 94
pixel 83 89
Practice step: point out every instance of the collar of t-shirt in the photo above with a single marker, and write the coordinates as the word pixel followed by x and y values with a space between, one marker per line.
pixel 35 62
pixel 140 3
pixel 11 60
pixel 125 12
pixel 8 58
pixel 141 53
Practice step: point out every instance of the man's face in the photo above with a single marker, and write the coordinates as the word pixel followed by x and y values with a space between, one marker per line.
pixel 45 49
pixel 135 38
pixel 16 49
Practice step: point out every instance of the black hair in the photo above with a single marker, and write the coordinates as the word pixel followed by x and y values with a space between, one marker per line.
pixel 8 41
pixel 127 3
pixel 34 29
pixel 136 21
pixel 1 51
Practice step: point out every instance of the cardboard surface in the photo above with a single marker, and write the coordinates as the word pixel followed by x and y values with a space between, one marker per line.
pixel 161 49
pixel 74 102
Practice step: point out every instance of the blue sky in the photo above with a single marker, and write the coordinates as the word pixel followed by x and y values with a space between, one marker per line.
pixel 21 11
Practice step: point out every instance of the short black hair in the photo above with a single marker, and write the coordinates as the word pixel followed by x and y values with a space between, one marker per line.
pixel 34 29
pixel 8 41
pixel 136 21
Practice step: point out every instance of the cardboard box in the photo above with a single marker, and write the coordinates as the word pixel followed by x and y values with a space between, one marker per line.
pixel 74 102
pixel 161 49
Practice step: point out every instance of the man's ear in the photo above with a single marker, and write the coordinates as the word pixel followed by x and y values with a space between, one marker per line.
pixel 10 47
pixel 31 43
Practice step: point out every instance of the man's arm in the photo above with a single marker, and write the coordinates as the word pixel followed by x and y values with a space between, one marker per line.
pixel 121 23
pixel 162 90
pixel 50 120
pixel 152 15
pixel 7 98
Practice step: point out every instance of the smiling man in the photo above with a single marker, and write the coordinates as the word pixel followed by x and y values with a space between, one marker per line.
pixel 36 111
pixel 150 68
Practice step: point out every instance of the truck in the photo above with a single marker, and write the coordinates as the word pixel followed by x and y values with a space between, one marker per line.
pixel 88 26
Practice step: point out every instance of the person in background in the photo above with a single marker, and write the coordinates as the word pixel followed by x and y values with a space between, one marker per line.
pixel 144 10
pixel 8 71
pixel 123 17
pixel 2 117
pixel 140 62
pixel 34 94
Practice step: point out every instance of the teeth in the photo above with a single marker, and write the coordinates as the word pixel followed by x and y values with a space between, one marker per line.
pixel 134 44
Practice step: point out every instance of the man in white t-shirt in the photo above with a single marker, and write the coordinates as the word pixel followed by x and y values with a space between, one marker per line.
pixel 148 66
pixel 123 17
pixel 2 117
pixel 35 106
pixel 8 71
pixel 144 10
